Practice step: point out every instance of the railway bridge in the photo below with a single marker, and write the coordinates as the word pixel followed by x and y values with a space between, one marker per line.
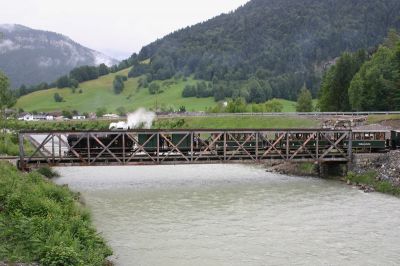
pixel 194 146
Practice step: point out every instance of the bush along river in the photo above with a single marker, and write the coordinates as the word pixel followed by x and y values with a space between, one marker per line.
pixel 44 224
pixel 235 215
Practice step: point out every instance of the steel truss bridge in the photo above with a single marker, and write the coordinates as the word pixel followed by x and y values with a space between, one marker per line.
pixel 155 147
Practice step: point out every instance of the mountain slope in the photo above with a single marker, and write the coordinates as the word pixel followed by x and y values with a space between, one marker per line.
pixel 286 42
pixel 99 93
pixel 29 56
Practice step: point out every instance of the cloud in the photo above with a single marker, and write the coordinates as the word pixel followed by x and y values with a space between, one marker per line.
pixel 7 45
pixel 123 26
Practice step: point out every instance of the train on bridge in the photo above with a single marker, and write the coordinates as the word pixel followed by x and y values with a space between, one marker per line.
pixel 124 147
pixel 362 141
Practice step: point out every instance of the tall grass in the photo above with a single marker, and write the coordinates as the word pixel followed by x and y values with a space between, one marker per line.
pixel 42 222
pixel 370 179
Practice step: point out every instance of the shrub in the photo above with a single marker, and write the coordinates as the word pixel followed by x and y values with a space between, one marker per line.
pixel 48 172
pixel 58 98
pixel 43 222
pixel 60 256
pixel 154 88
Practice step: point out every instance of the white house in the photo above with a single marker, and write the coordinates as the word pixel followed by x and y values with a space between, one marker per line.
pixel 111 116
pixel 30 117
pixel 78 117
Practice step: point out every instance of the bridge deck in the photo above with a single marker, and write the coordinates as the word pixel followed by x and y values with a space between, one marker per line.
pixel 182 146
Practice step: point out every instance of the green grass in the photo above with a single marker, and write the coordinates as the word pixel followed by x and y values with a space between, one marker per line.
pixel 371 180
pixel 307 168
pixel 48 172
pixel 167 123
pixel 288 106
pixel 238 122
pixel 99 93
pixel 42 222
pixel 9 145
pixel 372 119
pixel 59 125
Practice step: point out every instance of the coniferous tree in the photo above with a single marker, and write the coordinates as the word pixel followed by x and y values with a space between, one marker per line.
pixel 118 84
pixel 304 101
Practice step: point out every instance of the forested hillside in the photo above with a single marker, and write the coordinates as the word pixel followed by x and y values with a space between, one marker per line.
pixel 275 46
pixel 364 82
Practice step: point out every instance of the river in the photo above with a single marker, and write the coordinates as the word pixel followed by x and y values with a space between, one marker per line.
pixel 235 215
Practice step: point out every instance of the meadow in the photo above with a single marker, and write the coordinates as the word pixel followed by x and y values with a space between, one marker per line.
pixel 99 93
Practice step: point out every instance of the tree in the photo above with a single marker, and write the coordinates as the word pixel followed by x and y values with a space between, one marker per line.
pixel 237 106
pixel 189 91
pixel 118 84
pixel 101 111
pixel 7 99
pixel 334 93
pixel 182 109
pixel 273 106
pixel 202 90
pixel 219 94
pixel 256 93
pixel 63 82
pixel 58 98
pixel 154 88
pixel 376 87
pixel 103 70
pixel 304 101
pixel 66 114
pixel 73 83
pixel 121 111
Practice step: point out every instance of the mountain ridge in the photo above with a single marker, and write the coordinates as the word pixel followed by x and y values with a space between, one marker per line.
pixel 282 39
pixel 49 55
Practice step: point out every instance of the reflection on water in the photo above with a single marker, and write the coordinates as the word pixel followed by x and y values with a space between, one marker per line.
pixel 235 215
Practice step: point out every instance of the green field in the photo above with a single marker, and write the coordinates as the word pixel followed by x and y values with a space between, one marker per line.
pixel 99 93
pixel 380 118
pixel 238 122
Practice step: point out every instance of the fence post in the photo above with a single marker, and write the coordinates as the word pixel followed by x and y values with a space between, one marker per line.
pixel 22 165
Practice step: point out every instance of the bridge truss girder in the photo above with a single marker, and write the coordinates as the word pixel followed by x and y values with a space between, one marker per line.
pixel 182 146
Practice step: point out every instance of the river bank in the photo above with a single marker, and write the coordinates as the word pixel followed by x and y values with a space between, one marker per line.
pixel 369 173
pixel 293 169
pixel 379 173
pixel 41 222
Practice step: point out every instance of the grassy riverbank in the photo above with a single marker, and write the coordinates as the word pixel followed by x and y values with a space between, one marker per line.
pixel 42 222
pixel 369 179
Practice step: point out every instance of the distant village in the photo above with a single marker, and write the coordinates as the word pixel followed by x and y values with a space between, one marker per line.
pixel 57 116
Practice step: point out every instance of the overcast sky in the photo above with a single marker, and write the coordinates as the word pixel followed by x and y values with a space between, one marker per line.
pixel 117 27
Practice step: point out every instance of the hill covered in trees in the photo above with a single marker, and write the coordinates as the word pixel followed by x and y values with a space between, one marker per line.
pixel 29 56
pixel 269 48
pixel 364 82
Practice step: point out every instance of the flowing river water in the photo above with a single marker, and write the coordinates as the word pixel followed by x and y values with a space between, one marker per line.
pixel 235 215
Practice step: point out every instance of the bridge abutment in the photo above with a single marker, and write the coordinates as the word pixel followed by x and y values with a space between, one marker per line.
pixel 333 169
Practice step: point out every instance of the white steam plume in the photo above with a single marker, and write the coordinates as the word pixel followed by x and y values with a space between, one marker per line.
pixel 140 119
